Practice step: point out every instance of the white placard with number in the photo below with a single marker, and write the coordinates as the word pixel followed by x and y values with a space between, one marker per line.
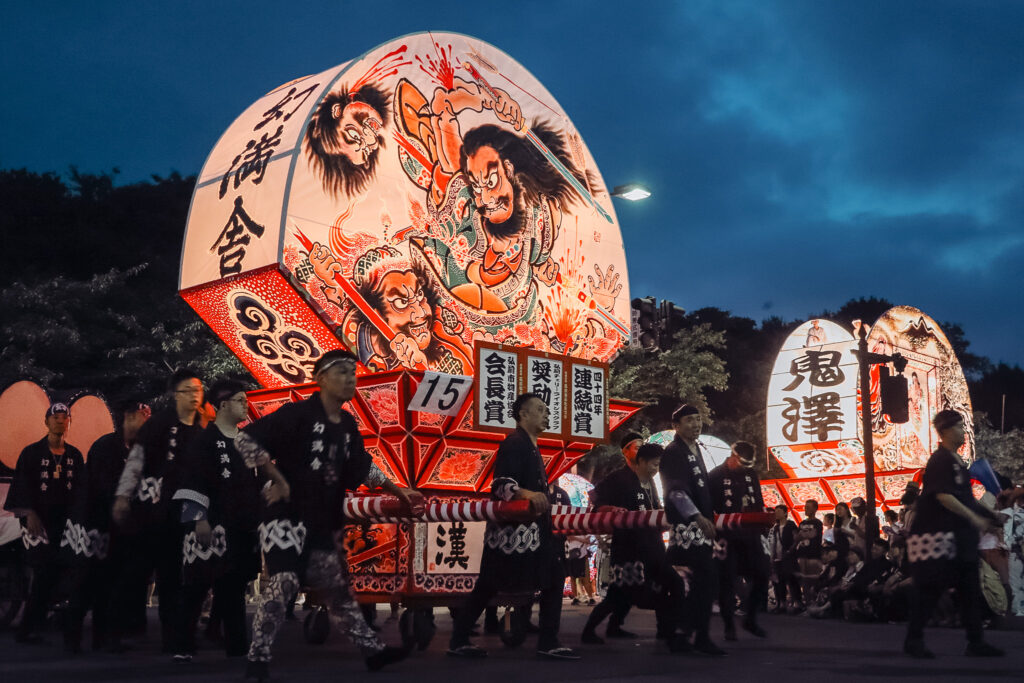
pixel 441 393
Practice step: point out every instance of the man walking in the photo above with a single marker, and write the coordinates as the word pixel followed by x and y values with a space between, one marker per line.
pixel 518 556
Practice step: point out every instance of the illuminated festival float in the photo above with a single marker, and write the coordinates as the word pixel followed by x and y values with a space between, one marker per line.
pixel 430 207
pixel 814 426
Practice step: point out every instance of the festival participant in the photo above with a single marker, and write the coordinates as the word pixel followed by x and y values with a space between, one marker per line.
pixel 640 574
pixel 735 487
pixel 98 550
pixel 313 453
pixel 46 477
pixel 942 545
pixel 149 479
pixel 689 511
pixel 780 544
pixel 518 556
pixel 807 550
pixel 220 509
pixel 630 444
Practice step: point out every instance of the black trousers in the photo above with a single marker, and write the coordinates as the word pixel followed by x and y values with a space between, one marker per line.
pixel 46 575
pixel 615 604
pixel 788 584
pixel 155 549
pixel 94 583
pixel 669 609
pixel 485 590
pixel 744 558
pixel 229 596
pixel 703 590
pixel 927 591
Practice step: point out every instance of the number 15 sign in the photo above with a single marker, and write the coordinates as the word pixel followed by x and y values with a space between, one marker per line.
pixel 441 393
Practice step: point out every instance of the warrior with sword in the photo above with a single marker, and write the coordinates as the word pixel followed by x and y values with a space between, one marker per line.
pixel 491 187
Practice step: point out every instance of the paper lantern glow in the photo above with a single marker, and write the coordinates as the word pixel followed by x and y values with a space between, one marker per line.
pixel 404 204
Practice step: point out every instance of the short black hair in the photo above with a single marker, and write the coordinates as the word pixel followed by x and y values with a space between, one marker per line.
pixel 744 449
pixel 330 357
pixel 812 500
pixel 631 436
pixel 944 419
pixel 649 451
pixel 222 390
pixel 782 507
pixel 683 411
pixel 180 375
pixel 521 401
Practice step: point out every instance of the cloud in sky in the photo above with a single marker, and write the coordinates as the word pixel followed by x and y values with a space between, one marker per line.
pixel 801 152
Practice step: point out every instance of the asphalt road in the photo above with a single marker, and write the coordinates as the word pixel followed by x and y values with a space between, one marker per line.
pixel 797 649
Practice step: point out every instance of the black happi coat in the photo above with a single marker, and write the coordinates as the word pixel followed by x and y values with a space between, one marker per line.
pixel 164 439
pixel 685 481
pixel 637 555
pixel 87 533
pixel 559 496
pixel 939 538
pixel 735 490
pixel 519 556
pixel 320 460
pixel 215 477
pixel 47 484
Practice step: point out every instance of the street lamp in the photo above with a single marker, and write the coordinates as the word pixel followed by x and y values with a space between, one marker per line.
pixel 633 192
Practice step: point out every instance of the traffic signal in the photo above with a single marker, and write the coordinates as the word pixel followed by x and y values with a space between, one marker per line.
pixel 646 331
pixel 893 389
pixel 671 322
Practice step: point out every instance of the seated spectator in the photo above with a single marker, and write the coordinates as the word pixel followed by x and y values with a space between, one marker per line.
pixel 894 602
pixel 832 571
pixel 892 526
pixel 831 605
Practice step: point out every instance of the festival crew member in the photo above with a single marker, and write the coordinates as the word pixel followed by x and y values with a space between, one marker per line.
pixel 781 538
pixel 690 514
pixel 46 477
pixel 519 557
pixel 735 487
pixel 313 453
pixel 629 445
pixel 942 546
pixel 220 509
pixel 640 574
pixel 149 479
pixel 98 551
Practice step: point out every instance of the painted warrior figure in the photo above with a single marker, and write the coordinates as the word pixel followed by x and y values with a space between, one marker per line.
pixel 495 200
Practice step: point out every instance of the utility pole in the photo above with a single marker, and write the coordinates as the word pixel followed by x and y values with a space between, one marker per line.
pixel 865 361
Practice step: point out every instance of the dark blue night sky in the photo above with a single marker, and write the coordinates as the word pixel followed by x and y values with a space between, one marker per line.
pixel 801 153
